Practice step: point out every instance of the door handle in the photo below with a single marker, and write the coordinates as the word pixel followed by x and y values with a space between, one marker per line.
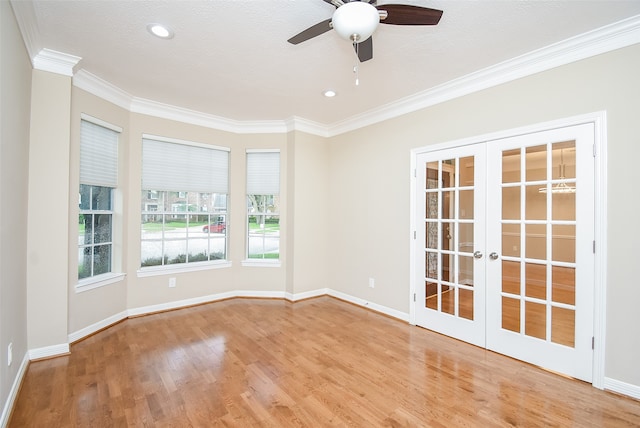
pixel 494 256
pixel 477 254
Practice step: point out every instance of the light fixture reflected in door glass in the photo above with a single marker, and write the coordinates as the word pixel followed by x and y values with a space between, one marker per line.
pixel 560 187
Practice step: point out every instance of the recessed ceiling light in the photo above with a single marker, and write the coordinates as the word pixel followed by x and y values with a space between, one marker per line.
pixel 160 30
pixel 329 93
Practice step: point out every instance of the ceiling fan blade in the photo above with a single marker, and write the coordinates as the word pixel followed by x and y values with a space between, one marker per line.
pixel 365 50
pixel 336 3
pixel 403 14
pixel 311 32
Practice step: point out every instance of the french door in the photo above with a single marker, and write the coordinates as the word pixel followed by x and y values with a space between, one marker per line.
pixel 504 246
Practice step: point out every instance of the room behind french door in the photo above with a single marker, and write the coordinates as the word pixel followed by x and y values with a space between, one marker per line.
pixel 504 246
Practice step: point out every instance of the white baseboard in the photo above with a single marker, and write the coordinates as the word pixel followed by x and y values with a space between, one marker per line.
pixel 13 393
pixel 622 387
pixel 89 330
pixel 403 316
pixel 307 294
pixel 49 351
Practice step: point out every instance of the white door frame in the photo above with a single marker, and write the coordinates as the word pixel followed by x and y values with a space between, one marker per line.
pixel 599 120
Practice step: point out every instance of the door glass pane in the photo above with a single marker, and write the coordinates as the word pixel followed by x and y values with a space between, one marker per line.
pixel 536 162
pixel 465 304
pixel 432 295
pixel 535 280
pixel 467 171
pixel 536 203
pixel 564 160
pixel 447 204
pixel 466 204
pixel 432 175
pixel 447 268
pixel 511 166
pixel 563 285
pixel 448 300
pixel 448 179
pixel 536 241
pixel 563 243
pixel 465 272
pixel 511 277
pixel 431 238
pixel 511 314
pixel 511 203
pixel 465 237
pixel 431 205
pixel 535 320
pixel 431 264
pixel 447 236
pixel 563 203
pixel 511 240
pixel 563 325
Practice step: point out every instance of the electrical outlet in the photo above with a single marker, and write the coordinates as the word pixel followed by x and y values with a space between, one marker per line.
pixel 172 282
pixel 10 354
pixel 372 283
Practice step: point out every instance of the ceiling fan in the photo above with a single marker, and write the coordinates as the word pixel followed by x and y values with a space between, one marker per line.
pixel 356 20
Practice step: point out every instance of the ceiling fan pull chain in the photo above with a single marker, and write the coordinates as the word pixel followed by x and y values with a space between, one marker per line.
pixel 355 67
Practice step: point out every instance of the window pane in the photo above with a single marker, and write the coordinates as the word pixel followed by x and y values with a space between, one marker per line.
pixel 102 228
pixel 85 197
pixel 84 262
pixel 101 198
pixel 176 251
pixel 151 254
pixel 263 226
pixel 102 259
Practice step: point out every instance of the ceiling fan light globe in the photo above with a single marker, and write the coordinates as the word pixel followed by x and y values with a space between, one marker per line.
pixel 355 21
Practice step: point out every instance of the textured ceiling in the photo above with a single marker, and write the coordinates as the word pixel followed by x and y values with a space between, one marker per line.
pixel 230 58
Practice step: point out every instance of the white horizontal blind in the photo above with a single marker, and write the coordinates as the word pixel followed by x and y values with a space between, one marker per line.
pixel 182 167
pixel 263 173
pixel 98 155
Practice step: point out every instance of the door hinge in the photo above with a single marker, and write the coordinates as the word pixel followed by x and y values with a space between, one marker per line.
pixel 414 297
pixel 593 342
pixel 594 247
pixel 415 172
pixel 594 150
pixel 414 234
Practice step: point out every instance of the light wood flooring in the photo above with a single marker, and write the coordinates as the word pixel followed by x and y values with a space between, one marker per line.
pixel 316 363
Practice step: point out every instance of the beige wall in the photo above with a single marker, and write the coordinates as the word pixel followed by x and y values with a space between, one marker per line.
pixel 309 218
pixel 48 216
pixel 15 91
pixel 370 183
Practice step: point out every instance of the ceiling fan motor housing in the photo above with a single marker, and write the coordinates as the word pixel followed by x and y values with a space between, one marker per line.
pixel 355 21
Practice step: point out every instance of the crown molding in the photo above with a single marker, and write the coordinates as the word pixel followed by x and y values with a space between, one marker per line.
pixel 55 62
pixel 166 111
pixel 615 36
pixel 27 22
pixel 102 89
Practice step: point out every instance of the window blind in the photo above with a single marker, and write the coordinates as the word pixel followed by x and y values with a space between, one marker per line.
pixel 263 173
pixel 98 155
pixel 182 167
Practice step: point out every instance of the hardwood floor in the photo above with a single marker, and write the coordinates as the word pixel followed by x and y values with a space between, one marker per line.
pixel 319 362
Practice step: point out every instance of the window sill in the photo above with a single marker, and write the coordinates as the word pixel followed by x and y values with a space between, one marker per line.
pixel 181 268
pixel 261 263
pixel 98 281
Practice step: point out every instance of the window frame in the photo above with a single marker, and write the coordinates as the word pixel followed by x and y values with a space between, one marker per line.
pixel 262 261
pixel 115 273
pixel 167 211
